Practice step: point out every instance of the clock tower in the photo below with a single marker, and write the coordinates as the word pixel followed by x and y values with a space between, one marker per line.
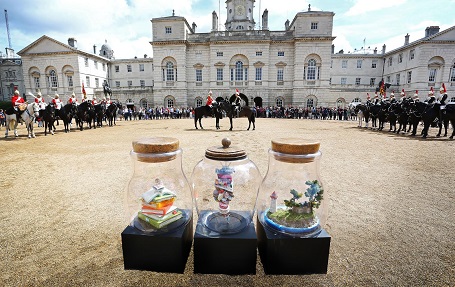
pixel 239 15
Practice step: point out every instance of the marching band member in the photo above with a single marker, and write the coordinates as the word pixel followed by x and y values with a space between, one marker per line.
pixel 209 100
pixel 57 102
pixel 73 99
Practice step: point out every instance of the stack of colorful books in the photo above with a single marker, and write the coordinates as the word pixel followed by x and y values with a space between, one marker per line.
pixel 158 207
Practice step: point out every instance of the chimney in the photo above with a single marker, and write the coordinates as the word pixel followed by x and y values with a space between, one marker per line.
pixel 194 27
pixel 375 50
pixel 214 21
pixel 341 51
pixel 72 42
pixel 94 49
pixel 383 49
pixel 429 31
pixel 145 55
pixel 265 20
pixel 286 25
pixel 333 48
pixel 406 39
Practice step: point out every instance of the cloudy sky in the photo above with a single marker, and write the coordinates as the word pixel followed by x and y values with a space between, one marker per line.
pixel 126 26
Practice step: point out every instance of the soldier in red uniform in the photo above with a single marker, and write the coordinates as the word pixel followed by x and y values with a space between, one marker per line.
pixel 73 99
pixel 94 101
pixel 108 102
pixel 56 102
pixel 209 100
pixel 17 100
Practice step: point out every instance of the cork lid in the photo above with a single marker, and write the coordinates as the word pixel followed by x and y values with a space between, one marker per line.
pixel 155 149
pixel 226 152
pixel 295 149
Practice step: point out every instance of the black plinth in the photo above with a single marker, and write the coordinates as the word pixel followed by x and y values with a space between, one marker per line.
pixel 232 254
pixel 157 252
pixel 281 254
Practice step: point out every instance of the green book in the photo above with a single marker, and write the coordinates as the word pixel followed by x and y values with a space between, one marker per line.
pixel 159 223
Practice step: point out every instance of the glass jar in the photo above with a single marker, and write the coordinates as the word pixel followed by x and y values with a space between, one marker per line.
pixel 225 184
pixel 158 196
pixel 291 198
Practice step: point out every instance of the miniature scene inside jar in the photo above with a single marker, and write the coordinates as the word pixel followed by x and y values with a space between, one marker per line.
pixel 291 196
pixel 222 190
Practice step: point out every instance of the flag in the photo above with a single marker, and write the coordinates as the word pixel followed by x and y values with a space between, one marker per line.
pixel 83 90
pixel 382 90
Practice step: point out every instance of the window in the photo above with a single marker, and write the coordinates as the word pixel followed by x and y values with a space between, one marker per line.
pixel 452 74
pixel 372 81
pixel 36 81
pixel 311 74
pixel 344 64
pixel 219 74
pixel 409 76
pixel 280 53
pixel 70 81
pixel 130 84
pixel 128 68
pixel 86 62
pixel 96 64
pixel 280 74
pixel 87 81
pixel 239 71
pixel 117 69
pixel 310 103
pixel 359 64
pixel 53 82
pixel 219 54
pixel 390 61
pixel 169 71
pixel 388 79
pixel 314 25
pixel 141 67
pixel 343 81
pixel 258 53
pixel 168 30
pixel 170 103
pixel 279 102
pixel 412 54
pixel 357 81
pixel 258 74
pixel 198 102
pixel 398 79
pixel 117 84
pixel 374 64
pixel 452 100
pixel 104 67
pixel 142 83
pixel 400 58
pixel 198 75
pixel 432 75
pixel 97 82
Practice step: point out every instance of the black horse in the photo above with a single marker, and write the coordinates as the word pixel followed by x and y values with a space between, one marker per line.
pixel 206 111
pixel 111 113
pixel 99 114
pixel 48 117
pixel 393 112
pixel 449 115
pixel 231 110
pixel 85 113
pixel 66 114
pixel 402 111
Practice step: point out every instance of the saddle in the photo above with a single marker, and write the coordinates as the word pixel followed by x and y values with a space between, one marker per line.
pixel 22 107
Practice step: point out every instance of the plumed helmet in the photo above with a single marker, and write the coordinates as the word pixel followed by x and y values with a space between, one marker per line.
pixel 210 92
pixel 431 92
pixel 56 96
pixel 443 89
pixel 402 92
pixel 73 95
pixel 416 95
pixel 94 97
pixel 107 98
pixel 16 92
pixel 38 94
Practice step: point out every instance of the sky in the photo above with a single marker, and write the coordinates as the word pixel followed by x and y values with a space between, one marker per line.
pixel 126 25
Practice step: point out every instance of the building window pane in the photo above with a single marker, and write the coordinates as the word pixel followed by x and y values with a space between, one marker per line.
pixel 279 102
pixel 239 71
pixel 170 103
pixel 412 54
pixel 359 64
pixel 357 81
pixel 97 82
pixel 141 67
pixel 53 82
pixel 372 81
pixel 87 81
pixel 258 53
pixel 198 102
pixel 219 74
pixel 86 62
pixel 343 81
pixel 452 74
pixel 398 79
pixel 128 68
pixel 390 61
pixel 70 81
pixel 280 75
pixel 280 54
pixel 258 74
pixel 142 83
pixel 168 30
pixel 314 25
pixel 344 64
pixel 311 74
pixel 117 84
pixel 117 69
pixel 409 77
pixel 104 67
pixel 169 71
pixel 400 58
pixel 432 75
pixel 219 54
pixel 310 103
pixel 96 64
pixel 36 80
pixel 130 84
pixel 198 75
pixel 374 64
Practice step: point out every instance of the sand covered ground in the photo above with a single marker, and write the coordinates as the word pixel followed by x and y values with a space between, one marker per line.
pixel 391 200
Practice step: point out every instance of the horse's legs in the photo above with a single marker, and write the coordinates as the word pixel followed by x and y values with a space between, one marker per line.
pixel 230 120
pixel 453 128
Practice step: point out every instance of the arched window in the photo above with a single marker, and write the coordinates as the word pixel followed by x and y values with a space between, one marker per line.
pixel 311 75
pixel 170 71
pixel 53 82
pixel 310 103
pixel 143 103
pixel 452 74
pixel 279 102
pixel 199 102
pixel 170 102
pixel 340 103
pixel 239 71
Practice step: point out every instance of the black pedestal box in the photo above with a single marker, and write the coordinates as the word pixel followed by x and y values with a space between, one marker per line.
pixel 160 253
pixel 281 254
pixel 232 254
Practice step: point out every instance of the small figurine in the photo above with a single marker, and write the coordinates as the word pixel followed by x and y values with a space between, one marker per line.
pixel 224 192
pixel 273 202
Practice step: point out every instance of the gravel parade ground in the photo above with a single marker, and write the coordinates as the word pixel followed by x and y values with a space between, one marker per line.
pixel 391 203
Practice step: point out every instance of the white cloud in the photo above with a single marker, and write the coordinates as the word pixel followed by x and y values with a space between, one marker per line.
pixel 364 6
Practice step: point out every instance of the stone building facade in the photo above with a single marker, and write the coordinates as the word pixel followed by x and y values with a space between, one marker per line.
pixel 10 74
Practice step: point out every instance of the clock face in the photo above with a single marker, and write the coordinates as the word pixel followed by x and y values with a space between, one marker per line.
pixel 240 10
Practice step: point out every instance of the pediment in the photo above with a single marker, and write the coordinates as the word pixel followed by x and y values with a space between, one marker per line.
pixel 281 64
pixel 46 45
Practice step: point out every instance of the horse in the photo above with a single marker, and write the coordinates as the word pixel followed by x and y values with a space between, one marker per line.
pixel 99 114
pixel 393 111
pixel 111 113
pixel 383 114
pixel 49 119
pixel 107 90
pixel 402 111
pixel 85 112
pixel 66 113
pixel 28 115
pixel 206 111
pixel 448 114
pixel 230 109
pixel 363 113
